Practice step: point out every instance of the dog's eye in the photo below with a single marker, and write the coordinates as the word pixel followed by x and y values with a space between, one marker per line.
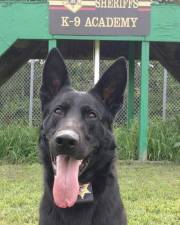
pixel 92 115
pixel 59 110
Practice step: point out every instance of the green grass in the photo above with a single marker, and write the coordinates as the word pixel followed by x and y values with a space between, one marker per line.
pixel 151 193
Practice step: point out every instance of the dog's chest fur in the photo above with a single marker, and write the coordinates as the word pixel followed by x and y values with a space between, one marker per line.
pixel 106 210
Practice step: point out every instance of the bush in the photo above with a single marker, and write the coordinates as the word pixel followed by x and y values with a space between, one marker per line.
pixel 163 140
pixel 18 143
pixel 126 140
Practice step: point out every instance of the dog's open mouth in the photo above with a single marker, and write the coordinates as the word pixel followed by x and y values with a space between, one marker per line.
pixel 66 184
pixel 82 167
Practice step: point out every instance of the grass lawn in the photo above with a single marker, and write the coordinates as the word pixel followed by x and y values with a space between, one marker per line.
pixel 151 193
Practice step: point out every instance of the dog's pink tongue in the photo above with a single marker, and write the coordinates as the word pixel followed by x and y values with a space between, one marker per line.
pixel 66 185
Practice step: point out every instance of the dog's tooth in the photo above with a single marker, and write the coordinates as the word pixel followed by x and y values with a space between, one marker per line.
pixel 54 165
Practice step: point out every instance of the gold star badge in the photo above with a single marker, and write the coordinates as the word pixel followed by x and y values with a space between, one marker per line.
pixel 84 190
pixel 73 5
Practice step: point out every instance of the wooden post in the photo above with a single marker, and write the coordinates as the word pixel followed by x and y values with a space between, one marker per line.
pixel 131 83
pixel 143 121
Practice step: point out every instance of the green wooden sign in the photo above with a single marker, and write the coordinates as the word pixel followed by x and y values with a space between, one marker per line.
pixel 99 17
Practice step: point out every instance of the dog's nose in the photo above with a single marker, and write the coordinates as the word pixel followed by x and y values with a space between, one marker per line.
pixel 67 139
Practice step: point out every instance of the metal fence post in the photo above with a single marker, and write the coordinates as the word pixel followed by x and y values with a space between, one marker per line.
pixel 97 61
pixel 164 94
pixel 32 62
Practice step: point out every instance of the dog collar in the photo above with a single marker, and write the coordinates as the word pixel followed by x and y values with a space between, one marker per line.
pixel 85 194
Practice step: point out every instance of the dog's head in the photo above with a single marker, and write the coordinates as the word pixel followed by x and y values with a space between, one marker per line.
pixel 77 125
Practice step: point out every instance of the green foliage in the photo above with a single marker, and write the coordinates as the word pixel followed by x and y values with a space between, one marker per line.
pixel 126 140
pixel 18 143
pixel 163 140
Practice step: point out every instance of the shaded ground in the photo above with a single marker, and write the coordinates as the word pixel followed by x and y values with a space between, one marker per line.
pixel 151 193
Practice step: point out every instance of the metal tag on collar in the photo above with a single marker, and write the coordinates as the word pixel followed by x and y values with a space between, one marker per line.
pixel 85 194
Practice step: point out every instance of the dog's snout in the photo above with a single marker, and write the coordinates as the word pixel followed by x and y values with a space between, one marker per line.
pixel 67 139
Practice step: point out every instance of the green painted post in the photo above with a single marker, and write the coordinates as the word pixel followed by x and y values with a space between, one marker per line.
pixel 131 83
pixel 52 44
pixel 143 121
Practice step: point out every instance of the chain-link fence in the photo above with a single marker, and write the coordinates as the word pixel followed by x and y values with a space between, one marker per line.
pixel 19 96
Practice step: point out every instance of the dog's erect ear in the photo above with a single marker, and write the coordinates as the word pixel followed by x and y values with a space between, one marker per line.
pixel 110 88
pixel 54 76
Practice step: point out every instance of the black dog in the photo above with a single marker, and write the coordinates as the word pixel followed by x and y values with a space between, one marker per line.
pixel 78 148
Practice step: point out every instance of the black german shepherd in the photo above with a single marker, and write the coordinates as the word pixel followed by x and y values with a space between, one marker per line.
pixel 78 148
